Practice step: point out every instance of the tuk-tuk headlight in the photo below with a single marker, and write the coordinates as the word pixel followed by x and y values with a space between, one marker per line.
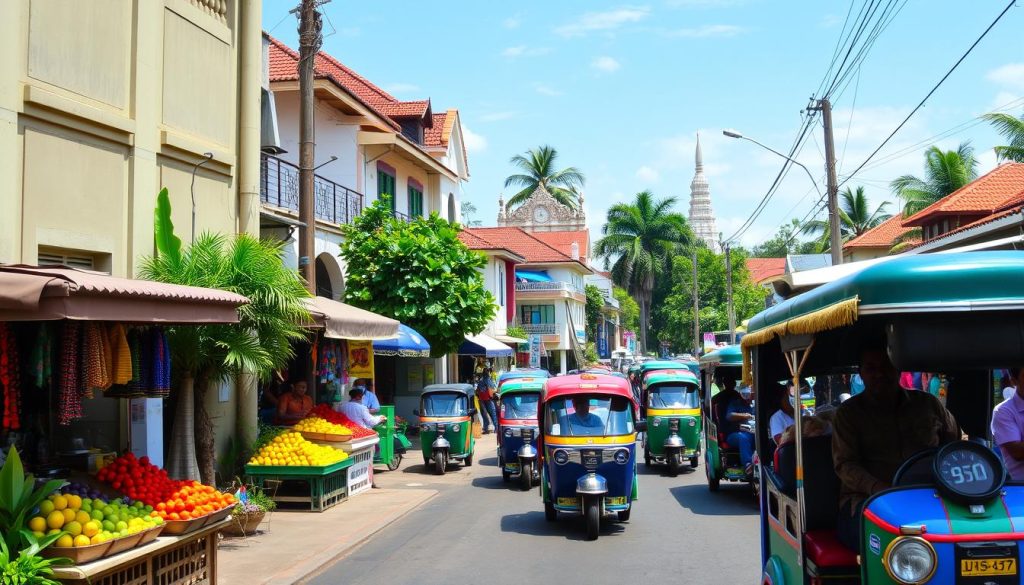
pixel 910 560
pixel 656 422
pixel 508 431
pixel 622 456
pixel 561 456
pixel 456 427
pixel 693 422
pixel 425 427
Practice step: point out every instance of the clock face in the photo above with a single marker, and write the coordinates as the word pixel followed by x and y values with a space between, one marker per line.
pixel 540 214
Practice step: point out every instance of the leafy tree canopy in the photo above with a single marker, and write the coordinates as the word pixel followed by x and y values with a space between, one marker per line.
pixel 538 169
pixel 419 273
pixel 595 302
pixel 629 318
pixel 783 243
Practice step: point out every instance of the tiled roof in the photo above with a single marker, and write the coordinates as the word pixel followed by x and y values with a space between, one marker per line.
pixel 563 240
pixel 881 236
pixel 417 109
pixel 762 269
pixel 437 134
pixel 476 241
pixel 1005 211
pixel 982 196
pixel 522 243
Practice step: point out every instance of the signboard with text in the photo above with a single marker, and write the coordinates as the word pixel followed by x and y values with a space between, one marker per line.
pixel 535 349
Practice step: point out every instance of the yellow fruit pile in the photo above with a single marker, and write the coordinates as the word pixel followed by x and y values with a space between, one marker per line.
pixel 292 450
pixel 314 424
pixel 84 522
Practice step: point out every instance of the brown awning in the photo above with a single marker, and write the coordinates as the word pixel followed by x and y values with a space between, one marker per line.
pixel 341 321
pixel 35 293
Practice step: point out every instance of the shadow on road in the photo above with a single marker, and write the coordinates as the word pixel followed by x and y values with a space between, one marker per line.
pixel 568 527
pixel 489 461
pixel 662 470
pixel 494 482
pixel 730 500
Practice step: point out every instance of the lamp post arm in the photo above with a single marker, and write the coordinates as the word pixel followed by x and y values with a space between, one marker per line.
pixel 790 159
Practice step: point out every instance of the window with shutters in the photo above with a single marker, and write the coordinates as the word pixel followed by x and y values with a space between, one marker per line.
pixel 73 259
pixel 386 186
pixel 415 202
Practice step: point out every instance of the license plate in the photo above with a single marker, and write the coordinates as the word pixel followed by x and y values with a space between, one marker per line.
pixel 567 501
pixel 987 567
pixel 619 501
pixel 591 458
pixel 513 467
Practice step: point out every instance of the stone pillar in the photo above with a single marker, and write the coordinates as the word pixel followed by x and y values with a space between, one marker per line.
pixel 563 362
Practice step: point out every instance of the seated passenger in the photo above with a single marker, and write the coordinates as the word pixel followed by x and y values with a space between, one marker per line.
pixel 876 431
pixel 741 410
pixel 783 417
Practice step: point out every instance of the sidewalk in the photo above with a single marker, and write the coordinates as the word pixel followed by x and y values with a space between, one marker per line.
pixel 295 544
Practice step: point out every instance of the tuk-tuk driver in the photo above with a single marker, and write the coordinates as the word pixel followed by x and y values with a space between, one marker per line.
pixel 582 418
pixel 876 431
pixel 741 410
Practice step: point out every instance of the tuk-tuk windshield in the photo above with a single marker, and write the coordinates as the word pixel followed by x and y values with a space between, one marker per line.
pixel 673 396
pixel 589 416
pixel 520 405
pixel 445 404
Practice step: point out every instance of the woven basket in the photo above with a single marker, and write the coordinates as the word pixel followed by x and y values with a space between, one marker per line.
pixel 243 525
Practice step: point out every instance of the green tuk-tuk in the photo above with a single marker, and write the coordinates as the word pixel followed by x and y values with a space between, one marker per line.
pixel 720 370
pixel 949 513
pixel 518 431
pixel 446 425
pixel 671 406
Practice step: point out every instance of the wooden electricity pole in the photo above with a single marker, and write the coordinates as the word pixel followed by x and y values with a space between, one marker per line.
pixel 835 239
pixel 310 39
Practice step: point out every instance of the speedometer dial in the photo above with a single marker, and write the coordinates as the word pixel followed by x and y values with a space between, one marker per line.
pixel 968 471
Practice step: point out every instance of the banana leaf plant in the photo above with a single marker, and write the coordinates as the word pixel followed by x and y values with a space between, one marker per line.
pixel 28 568
pixel 19 497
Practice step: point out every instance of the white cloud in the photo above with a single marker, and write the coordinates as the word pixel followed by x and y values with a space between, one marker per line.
pixel 547 90
pixel 603 21
pixel 647 175
pixel 524 51
pixel 1002 99
pixel 498 116
pixel 606 64
pixel 401 87
pixel 703 3
pixel 707 31
pixel 512 22
pixel 830 20
pixel 1010 75
pixel 475 143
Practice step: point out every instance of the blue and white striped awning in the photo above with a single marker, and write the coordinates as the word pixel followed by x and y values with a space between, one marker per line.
pixel 484 345
pixel 533 276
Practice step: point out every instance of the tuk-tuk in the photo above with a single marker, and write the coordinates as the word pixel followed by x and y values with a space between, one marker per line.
pixel 649 366
pixel 671 406
pixel 517 430
pixel 720 370
pixel 520 373
pixel 446 425
pixel 588 448
pixel 949 514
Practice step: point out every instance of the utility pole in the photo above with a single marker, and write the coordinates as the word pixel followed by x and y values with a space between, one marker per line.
pixel 696 308
pixel 835 241
pixel 310 39
pixel 728 292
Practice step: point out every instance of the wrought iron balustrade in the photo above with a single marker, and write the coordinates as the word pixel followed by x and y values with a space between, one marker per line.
pixel 332 203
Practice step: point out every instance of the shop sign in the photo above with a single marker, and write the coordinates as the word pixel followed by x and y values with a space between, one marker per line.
pixel 709 342
pixel 360 359
pixel 535 350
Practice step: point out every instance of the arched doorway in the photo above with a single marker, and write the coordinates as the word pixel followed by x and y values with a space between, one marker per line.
pixel 451 208
pixel 330 282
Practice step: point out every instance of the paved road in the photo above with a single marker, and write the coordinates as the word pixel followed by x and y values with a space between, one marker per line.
pixel 480 530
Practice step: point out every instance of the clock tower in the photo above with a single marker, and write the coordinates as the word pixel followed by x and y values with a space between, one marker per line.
pixel 543 213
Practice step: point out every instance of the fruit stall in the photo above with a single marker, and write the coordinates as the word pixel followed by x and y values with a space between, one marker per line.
pixel 76 351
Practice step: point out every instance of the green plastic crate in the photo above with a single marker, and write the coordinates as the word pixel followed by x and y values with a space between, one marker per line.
pixel 281 470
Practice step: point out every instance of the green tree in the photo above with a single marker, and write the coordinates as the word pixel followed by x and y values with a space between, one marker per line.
pixel 1013 130
pixel 783 243
pixel 537 169
pixel 855 218
pixel 595 302
pixel 642 237
pixel 468 212
pixel 944 173
pixel 419 273
pixel 629 311
pixel 206 355
pixel 748 298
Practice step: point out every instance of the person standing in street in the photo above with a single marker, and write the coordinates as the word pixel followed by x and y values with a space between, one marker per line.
pixel 1008 427
pixel 485 396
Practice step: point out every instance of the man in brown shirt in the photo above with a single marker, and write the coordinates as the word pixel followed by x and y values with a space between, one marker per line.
pixel 876 431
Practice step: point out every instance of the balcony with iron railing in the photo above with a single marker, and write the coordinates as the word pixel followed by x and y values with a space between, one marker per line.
pixel 541 328
pixel 279 186
pixel 554 286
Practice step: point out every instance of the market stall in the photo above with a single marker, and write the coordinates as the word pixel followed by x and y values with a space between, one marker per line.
pixel 78 351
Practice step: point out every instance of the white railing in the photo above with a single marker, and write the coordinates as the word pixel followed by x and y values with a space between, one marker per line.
pixel 541 328
pixel 546 286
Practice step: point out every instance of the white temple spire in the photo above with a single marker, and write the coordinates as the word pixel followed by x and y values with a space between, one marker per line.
pixel 702 216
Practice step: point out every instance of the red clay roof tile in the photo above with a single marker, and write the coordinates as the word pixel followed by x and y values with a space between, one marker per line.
pixel 982 196
pixel 762 269
pixel 881 236
pixel 563 240
pixel 522 243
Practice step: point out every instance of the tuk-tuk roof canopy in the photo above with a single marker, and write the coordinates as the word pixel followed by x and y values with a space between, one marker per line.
pixel 730 355
pixel 460 388
pixel 522 385
pixel 587 384
pixel 662 365
pixel 524 373
pixel 680 375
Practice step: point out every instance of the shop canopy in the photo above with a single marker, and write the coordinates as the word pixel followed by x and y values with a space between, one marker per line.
pixel 341 321
pixel 409 343
pixel 36 293
pixel 511 340
pixel 533 276
pixel 484 345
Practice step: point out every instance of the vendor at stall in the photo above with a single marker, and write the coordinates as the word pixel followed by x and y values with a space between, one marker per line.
pixel 357 412
pixel 370 400
pixel 293 406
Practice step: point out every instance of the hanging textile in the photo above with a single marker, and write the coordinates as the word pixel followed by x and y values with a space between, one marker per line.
pixel 69 399
pixel 96 349
pixel 42 357
pixel 160 385
pixel 121 355
pixel 9 382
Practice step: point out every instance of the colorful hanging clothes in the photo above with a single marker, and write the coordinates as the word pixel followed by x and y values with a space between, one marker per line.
pixel 69 399
pixel 96 350
pixel 42 357
pixel 121 355
pixel 9 382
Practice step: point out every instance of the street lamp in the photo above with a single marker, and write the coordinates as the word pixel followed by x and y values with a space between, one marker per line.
pixel 735 134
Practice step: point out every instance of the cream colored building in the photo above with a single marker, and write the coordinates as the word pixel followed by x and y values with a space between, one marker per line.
pixel 103 103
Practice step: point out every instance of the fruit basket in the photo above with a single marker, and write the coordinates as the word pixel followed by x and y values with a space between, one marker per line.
pixel 179 527
pixel 79 554
pixel 119 545
pixel 150 535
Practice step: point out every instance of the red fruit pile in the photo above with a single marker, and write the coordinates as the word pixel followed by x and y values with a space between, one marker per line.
pixel 139 479
pixel 325 412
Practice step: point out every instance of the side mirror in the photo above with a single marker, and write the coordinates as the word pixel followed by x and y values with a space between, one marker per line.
pixel 641 426
pixel 416 412
pixel 471 412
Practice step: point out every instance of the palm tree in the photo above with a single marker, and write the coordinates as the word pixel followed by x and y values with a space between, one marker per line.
pixel 944 173
pixel 1013 129
pixel 538 170
pixel 855 218
pixel 642 236
pixel 208 354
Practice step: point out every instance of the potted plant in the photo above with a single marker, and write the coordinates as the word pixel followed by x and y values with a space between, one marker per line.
pixel 253 504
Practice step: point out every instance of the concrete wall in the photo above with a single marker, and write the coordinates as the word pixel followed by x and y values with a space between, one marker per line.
pixel 335 136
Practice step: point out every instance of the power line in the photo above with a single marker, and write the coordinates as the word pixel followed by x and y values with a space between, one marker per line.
pixel 934 89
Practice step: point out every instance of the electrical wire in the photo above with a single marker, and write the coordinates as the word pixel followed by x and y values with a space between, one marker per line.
pixel 933 90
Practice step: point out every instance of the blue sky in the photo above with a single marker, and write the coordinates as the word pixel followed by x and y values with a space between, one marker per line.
pixel 622 89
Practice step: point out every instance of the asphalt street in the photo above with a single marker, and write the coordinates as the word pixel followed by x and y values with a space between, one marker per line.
pixel 481 530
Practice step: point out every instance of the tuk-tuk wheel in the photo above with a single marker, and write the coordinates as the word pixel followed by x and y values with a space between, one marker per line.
pixel 624 514
pixel 694 461
pixel 396 460
pixel 439 464
pixel 550 514
pixel 526 478
pixel 468 461
pixel 505 476
pixel 592 513
pixel 675 462
pixel 647 457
